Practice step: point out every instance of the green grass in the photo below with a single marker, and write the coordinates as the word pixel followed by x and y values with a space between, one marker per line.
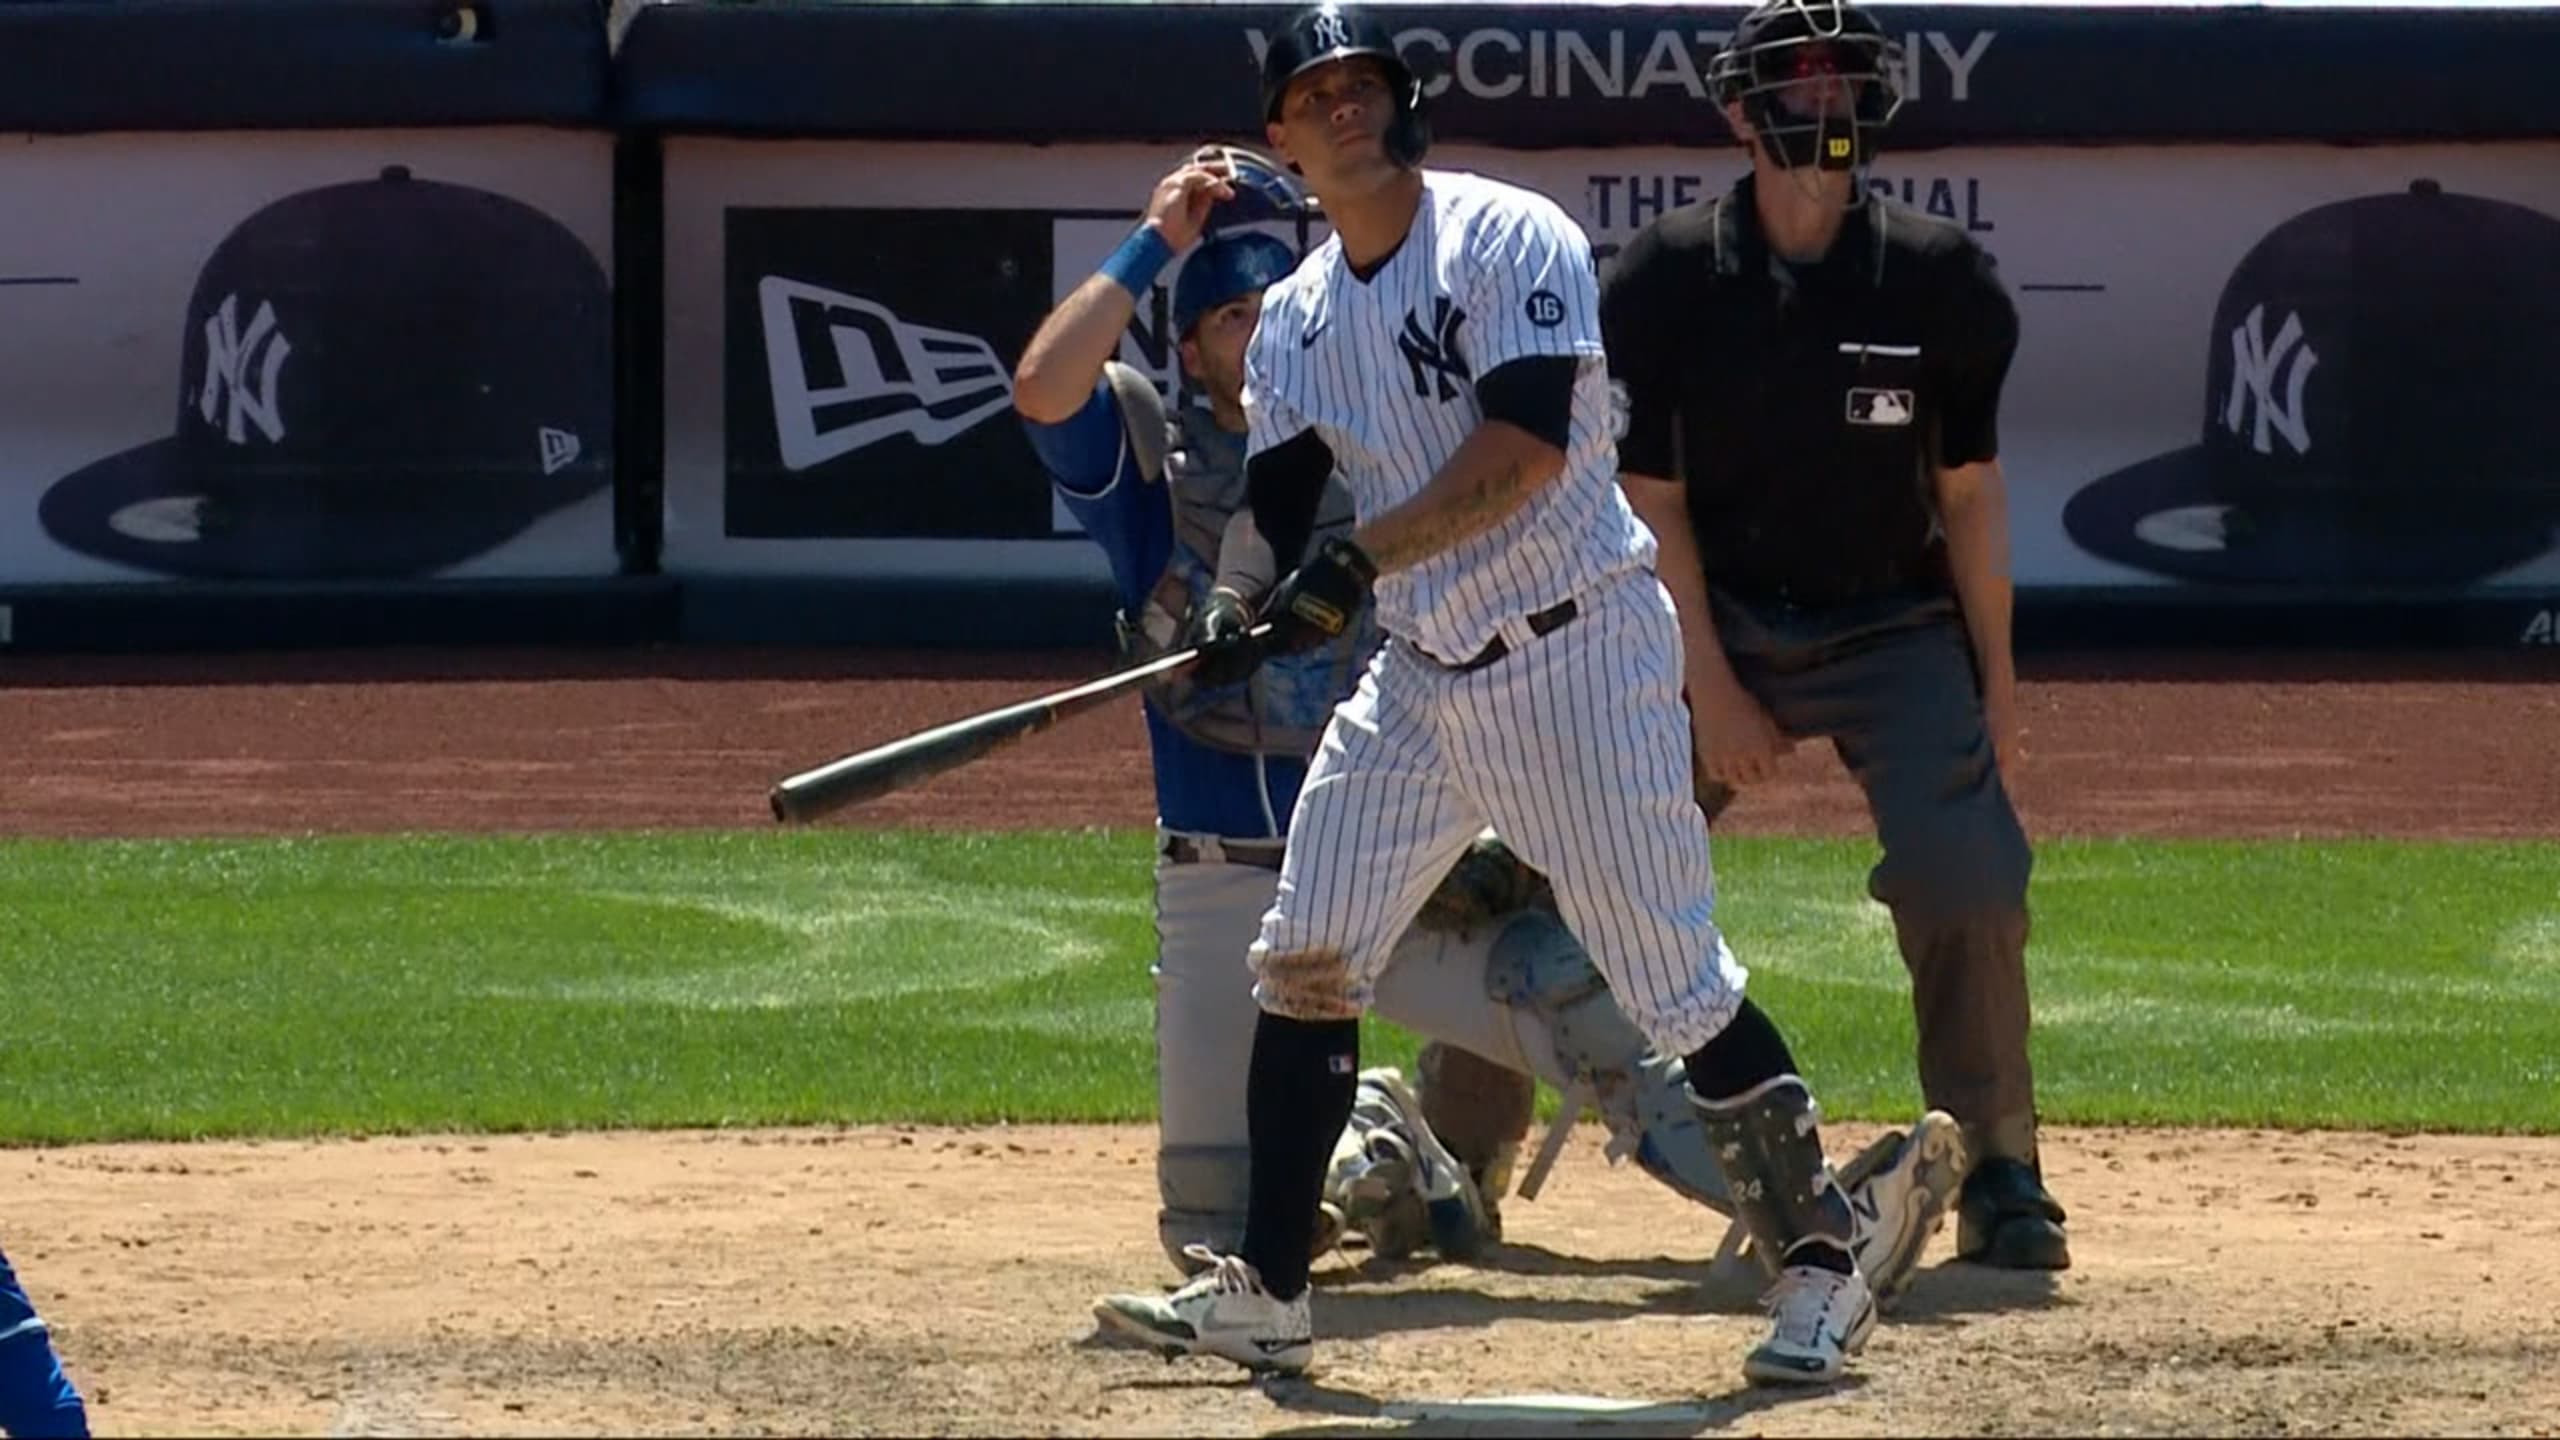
pixel 426 983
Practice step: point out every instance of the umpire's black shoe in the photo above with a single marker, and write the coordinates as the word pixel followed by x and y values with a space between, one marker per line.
pixel 2006 1218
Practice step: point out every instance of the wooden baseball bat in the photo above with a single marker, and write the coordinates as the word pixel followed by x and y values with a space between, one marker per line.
pixel 882 769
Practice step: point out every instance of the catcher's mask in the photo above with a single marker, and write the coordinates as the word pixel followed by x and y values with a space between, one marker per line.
pixel 1238 251
pixel 1814 77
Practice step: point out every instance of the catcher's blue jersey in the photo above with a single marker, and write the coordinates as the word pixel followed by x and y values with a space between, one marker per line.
pixel 1215 792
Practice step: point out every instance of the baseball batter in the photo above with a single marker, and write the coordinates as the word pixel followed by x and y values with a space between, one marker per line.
pixel 1440 354
pixel 36 1398
pixel 1488 970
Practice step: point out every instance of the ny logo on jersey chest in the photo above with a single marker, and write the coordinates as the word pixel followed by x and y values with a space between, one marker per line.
pixel 1431 352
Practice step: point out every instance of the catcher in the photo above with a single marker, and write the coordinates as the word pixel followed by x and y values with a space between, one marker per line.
pixel 1488 973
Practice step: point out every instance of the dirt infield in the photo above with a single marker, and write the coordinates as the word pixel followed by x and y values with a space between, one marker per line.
pixel 419 740
pixel 931 1281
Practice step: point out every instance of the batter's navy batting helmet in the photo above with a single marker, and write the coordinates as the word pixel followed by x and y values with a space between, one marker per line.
pixel 1332 32
pixel 1775 66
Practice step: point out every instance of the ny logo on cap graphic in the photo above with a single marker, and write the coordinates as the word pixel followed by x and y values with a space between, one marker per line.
pixel 2258 367
pixel 1332 32
pixel 229 356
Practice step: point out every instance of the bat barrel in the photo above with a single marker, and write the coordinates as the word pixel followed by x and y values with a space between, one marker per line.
pixel 900 763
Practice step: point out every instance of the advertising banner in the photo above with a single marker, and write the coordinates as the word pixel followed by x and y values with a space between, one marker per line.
pixel 1570 75
pixel 306 355
pixel 2270 369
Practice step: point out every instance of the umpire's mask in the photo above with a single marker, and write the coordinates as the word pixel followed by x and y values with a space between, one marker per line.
pixel 1814 77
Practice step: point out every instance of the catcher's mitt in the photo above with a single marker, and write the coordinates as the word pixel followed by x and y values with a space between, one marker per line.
pixel 1487 883
pixel 1481 1112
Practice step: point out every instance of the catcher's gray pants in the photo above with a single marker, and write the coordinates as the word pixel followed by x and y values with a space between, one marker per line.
pixel 1207 914
pixel 1892 685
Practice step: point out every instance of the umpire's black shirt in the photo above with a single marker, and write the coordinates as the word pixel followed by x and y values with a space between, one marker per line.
pixel 1802 403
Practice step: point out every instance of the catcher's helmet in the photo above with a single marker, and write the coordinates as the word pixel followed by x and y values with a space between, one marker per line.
pixel 1333 31
pixel 1223 268
pixel 1238 254
pixel 1264 192
pixel 1814 77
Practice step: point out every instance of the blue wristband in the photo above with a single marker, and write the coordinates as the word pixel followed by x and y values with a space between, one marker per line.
pixel 1138 261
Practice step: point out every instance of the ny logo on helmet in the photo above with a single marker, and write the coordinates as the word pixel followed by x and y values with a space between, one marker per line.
pixel 243 368
pixel 2257 367
pixel 1331 31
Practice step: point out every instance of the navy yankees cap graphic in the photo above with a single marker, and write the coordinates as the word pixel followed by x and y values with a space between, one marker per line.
pixel 2377 407
pixel 379 379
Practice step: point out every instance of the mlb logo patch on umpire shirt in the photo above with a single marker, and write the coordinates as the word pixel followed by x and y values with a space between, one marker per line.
pixel 1879 407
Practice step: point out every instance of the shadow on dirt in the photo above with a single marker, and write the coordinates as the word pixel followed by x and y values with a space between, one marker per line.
pixel 1945 1293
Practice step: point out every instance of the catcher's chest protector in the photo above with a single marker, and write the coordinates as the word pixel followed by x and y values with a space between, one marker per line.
pixel 1204 483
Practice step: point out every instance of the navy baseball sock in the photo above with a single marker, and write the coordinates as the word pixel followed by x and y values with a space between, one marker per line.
pixel 1297 1098
pixel 1745 1053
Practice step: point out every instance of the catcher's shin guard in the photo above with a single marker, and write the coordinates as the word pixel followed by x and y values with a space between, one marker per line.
pixel 1539 969
pixel 1784 1192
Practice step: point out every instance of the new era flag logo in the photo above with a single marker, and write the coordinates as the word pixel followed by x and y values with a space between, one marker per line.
pixel 846 373
pixel 559 449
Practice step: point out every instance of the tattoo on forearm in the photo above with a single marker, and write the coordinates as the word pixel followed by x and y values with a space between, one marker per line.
pixel 1468 512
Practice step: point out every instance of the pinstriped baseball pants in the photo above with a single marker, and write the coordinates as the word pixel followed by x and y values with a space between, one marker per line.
pixel 1575 748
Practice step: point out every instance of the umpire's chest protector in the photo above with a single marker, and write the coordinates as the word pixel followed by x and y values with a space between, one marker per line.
pixel 1283 708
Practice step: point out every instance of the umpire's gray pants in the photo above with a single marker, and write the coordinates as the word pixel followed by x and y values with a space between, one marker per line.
pixel 1892 685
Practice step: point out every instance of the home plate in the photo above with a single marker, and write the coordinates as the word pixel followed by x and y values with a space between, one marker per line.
pixel 1547 1410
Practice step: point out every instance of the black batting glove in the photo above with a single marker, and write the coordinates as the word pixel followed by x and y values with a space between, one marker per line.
pixel 1316 602
pixel 1217 630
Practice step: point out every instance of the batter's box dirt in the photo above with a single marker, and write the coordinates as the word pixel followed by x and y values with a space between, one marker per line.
pixel 842 1282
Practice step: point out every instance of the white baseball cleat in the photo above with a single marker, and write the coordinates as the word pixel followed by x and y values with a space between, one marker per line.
pixel 1817 1319
pixel 1899 1190
pixel 1223 1311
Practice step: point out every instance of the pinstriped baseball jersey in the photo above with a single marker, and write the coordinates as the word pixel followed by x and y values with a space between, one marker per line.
pixel 1384 371
pixel 1574 746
